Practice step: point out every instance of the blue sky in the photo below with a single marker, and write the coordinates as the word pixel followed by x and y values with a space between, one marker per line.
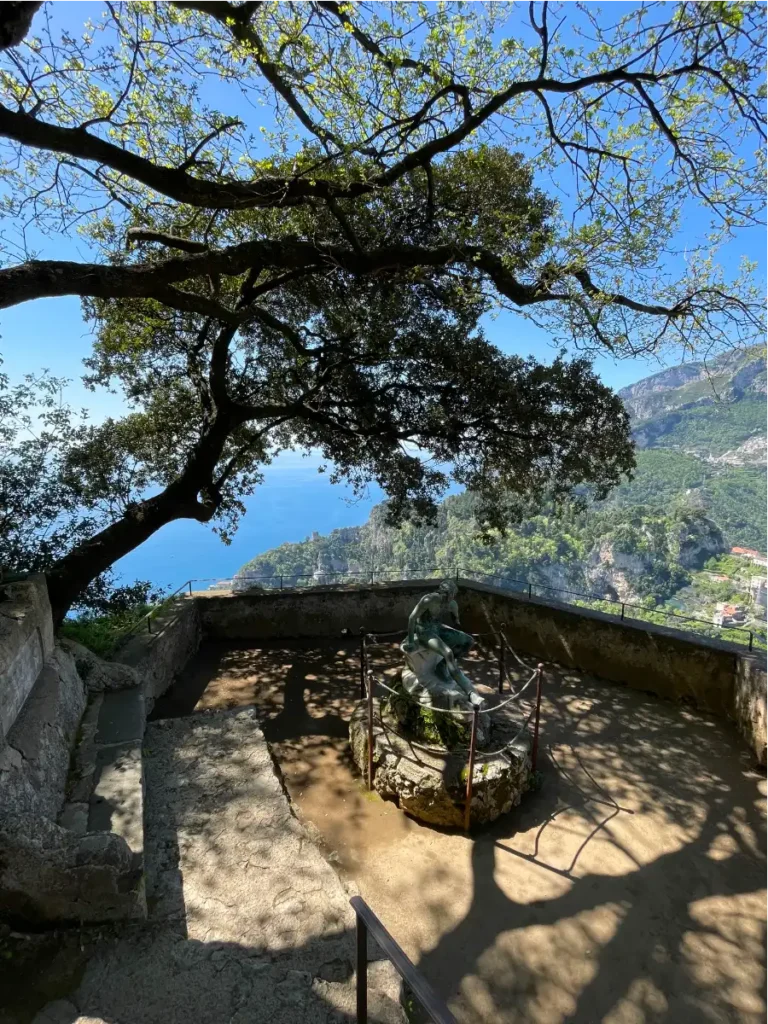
pixel 294 500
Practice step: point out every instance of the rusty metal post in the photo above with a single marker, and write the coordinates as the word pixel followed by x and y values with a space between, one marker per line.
pixel 535 751
pixel 190 588
pixel 363 662
pixel 622 611
pixel 281 582
pixel 361 932
pixel 370 730
pixel 750 639
pixel 502 657
pixel 470 769
pixel 529 591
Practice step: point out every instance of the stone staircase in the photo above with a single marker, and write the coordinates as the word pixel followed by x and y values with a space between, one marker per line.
pixel 105 789
pixel 247 921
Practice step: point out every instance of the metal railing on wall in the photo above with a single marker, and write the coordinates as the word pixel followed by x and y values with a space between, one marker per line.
pixel 529 588
pixel 417 985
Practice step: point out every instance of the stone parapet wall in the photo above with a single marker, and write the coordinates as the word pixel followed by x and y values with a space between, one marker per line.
pixel 308 611
pixel 749 704
pixel 645 657
pixel 157 657
pixel 26 641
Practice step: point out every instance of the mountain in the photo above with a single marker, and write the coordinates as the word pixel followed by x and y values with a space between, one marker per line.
pixel 699 488
pixel 700 430
pixel 733 378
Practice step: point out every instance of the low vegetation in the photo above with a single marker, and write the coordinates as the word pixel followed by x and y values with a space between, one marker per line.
pixel 101 633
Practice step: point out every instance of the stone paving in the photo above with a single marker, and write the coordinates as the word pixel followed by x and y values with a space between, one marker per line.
pixel 248 921
pixel 630 889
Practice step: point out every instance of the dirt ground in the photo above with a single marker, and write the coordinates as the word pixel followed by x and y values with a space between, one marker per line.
pixel 629 888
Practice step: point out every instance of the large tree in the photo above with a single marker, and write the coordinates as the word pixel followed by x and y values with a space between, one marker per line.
pixel 300 212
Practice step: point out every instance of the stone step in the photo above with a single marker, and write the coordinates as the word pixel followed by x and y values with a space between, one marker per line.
pixel 105 792
pixel 249 923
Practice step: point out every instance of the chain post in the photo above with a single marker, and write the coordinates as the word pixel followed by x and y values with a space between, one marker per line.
pixel 470 768
pixel 190 588
pixel 535 751
pixel 529 590
pixel 622 611
pixel 370 730
pixel 502 656
pixel 363 662
pixel 149 624
pixel 750 639
pixel 281 581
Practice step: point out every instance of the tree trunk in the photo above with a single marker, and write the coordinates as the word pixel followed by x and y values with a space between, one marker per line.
pixel 68 577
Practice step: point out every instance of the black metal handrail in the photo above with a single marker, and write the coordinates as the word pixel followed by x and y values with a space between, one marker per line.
pixel 366 921
pixel 528 587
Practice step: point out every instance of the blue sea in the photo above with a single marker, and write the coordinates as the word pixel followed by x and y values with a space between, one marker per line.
pixel 293 501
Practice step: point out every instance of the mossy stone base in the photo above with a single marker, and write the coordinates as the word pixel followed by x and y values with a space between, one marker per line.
pixel 430 785
pixel 424 723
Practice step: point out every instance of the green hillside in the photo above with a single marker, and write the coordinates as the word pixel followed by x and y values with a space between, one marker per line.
pixel 699 488
pixel 733 496
pixel 550 549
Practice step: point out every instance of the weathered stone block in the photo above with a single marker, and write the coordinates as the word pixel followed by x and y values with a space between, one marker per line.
pixel 430 784
pixel 35 760
pixel 26 641
pixel 48 874
pixel 117 803
pixel 98 674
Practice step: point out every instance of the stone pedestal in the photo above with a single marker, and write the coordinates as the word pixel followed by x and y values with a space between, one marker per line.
pixel 430 783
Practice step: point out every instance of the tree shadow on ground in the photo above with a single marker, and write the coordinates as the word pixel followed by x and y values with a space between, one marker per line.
pixel 627 889
pixel 247 921
pixel 667 924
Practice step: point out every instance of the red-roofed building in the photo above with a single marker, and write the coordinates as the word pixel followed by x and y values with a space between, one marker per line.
pixel 751 554
pixel 729 615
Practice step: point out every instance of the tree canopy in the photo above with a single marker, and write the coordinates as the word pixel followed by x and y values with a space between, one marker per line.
pixel 298 214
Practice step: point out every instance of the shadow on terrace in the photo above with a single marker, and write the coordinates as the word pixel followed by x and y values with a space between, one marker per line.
pixel 629 888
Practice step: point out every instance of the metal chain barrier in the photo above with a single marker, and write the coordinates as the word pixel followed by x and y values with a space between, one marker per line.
pixel 369 681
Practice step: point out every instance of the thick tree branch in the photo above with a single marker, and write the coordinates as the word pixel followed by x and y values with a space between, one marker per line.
pixel 164 238
pixel 176 183
pixel 173 182
pixel 16 20
pixel 45 279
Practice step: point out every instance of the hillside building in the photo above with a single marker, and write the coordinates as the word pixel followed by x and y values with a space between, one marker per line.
pixel 754 556
pixel 729 614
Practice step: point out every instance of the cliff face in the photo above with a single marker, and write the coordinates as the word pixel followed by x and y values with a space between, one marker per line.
pixel 699 488
pixel 729 378
pixel 623 567
pixel 713 411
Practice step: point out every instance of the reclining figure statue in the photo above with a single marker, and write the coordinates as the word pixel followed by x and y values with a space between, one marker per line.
pixel 432 650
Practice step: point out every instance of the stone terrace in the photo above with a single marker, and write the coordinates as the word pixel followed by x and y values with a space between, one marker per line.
pixel 628 888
